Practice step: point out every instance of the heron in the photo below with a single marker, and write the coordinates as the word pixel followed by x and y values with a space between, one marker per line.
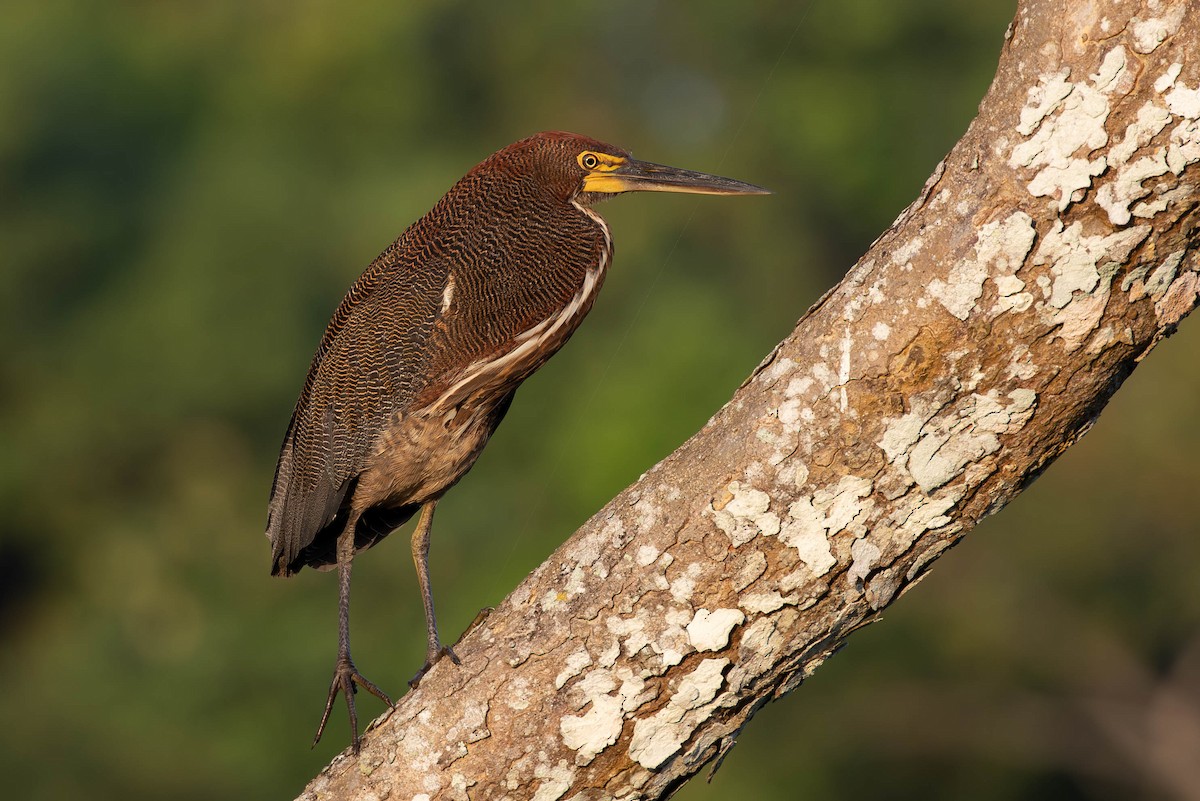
pixel 422 357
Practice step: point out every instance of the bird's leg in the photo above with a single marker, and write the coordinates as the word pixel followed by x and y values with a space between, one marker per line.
pixel 434 650
pixel 345 675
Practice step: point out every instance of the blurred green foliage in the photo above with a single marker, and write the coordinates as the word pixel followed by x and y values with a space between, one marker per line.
pixel 188 188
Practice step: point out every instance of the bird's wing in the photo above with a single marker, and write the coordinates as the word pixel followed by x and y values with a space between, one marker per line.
pixel 411 333
pixel 365 369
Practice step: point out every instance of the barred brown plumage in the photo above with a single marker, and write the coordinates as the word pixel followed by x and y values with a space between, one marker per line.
pixel 421 358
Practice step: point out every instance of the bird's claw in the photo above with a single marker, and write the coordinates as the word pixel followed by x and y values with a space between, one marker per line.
pixel 347 680
pixel 432 658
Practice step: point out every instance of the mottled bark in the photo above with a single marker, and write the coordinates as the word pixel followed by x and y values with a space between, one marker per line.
pixel 979 337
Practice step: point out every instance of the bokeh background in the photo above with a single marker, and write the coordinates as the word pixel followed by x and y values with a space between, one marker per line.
pixel 186 189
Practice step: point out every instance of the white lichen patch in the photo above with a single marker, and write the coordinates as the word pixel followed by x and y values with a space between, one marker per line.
pixel 575 664
pixel 683 585
pixel 576 582
pixel 964 433
pixel 918 513
pixel 517 694
pixel 553 599
pixel 1081 272
pixel 760 646
pixel 779 367
pixel 1000 249
pixel 595 683
pixel 757 640
pixel 630 632
pixel 806 531
pixel 765 602
pixel 798 386
pixel 1167 79
pixel 778 430
pixel 1077 322
pixel 1021 366
pixel 671 657
pixel 798 473
pixel 1128 174
pixel 701 685
pixel 1072 258
pixel 600 726
pixel 595 730
pixel 1148 208
pixel 1044 99
pixel 459 785
pixel 709 631
pixel 1066 121
pixel 823 375
pixel 648 515
pixel 901 433
pixel 906 252
pixel 472 723
pixel 1149 33
pixel 847 501
pixel 1151 119
pixel 1184 102
pixel 743 513
pixel 812 520
pixel 608 657
pixel 646 555
pixel 864 555
pixel 962 288
pixel 1010 295
pixel 415 748
pixel 555 780
pixel 650 634
pixel 673 639
pixel 586 553
pixel 789 415
pixel 1126 187
pixel 1183 150
pixel 662 734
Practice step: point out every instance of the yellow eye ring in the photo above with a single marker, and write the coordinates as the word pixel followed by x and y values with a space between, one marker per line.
pixel 589 161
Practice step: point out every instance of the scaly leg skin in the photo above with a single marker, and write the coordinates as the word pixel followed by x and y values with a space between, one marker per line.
pixel 434 650
pixel 345 675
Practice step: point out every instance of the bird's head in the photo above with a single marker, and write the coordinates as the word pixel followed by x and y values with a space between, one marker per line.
pixel 587 171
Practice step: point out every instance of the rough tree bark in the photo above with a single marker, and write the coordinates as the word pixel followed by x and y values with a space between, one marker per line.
pixel 979 337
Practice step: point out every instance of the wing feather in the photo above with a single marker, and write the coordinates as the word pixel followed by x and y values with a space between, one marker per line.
pixel 366 368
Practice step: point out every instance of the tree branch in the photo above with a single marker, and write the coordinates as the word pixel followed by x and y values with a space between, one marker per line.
pixel 978 338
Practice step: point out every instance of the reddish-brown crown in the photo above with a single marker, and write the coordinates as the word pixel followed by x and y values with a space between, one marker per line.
pixel 550 158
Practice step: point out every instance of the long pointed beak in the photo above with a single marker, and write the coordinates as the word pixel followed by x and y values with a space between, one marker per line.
pixel 644 176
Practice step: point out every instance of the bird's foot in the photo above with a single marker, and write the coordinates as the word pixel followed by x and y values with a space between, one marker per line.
pixel 345 677
pixel 432 657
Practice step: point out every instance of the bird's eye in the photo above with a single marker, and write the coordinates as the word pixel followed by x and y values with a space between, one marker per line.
pixel 589 161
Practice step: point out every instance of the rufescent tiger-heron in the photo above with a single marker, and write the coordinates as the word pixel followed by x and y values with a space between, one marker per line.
pixel 424 353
